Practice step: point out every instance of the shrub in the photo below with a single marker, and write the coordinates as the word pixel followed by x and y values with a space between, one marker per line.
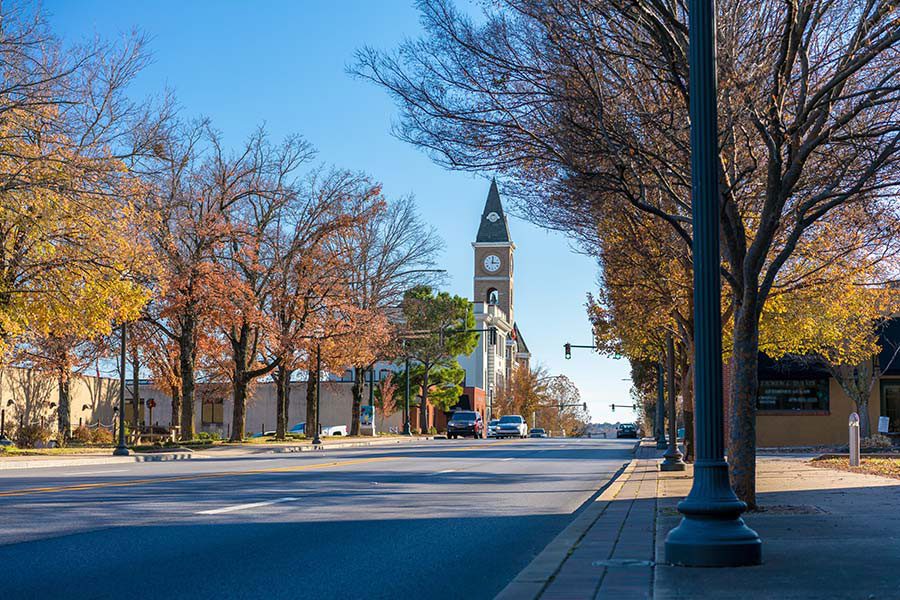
pixel 101 436
pixel 83 434
pixel 28 436
pixel 876 441
pixel 432 430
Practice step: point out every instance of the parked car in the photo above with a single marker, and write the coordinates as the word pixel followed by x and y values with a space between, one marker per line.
pixel 537 432
pixel 5 441
pixel 300 428
pixel 260 434
pixel 492 427
pixel 512 426
pixel 465 423
pixel 626 430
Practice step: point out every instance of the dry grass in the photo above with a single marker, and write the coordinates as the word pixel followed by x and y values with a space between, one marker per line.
pixel 869 465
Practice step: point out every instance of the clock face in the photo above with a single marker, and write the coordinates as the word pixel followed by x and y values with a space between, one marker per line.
pixel 491 263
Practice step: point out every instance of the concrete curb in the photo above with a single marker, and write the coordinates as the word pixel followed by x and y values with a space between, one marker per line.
pixel 339 445
pixel 531 581
pixel 6 465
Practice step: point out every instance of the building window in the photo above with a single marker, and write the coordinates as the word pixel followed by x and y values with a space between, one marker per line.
pixel 213 412
pixel 493 297
pixel 793 395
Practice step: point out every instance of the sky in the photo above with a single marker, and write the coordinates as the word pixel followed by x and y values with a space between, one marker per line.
pixel 283 64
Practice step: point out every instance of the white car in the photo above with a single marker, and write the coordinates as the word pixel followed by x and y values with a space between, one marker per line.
pixel 326 429
pixel 512 426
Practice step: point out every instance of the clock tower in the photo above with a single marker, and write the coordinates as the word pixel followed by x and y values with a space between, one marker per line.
pixel 494 257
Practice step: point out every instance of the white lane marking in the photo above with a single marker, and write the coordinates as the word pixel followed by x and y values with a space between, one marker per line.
pixel 237 507
pixel 505 459
pixel 444 471
pixel 99 472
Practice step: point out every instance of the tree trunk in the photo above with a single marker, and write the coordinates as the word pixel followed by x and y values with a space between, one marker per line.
pixel 282 401
pixel 357 389
pixel 312 416
pixel 176 406
pixel 187 354
pixel 744 387
pixel 239 395
pixel 64 410
pixel 423 407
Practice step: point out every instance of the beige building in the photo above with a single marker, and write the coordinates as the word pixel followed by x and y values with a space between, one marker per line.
pixel 32 396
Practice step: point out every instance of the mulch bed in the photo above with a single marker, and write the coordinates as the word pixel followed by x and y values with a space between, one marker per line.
pixel 869 465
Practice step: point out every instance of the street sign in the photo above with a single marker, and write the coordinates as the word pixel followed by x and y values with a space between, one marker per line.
pixel 884 424
pixel 151 403
pixel 366 415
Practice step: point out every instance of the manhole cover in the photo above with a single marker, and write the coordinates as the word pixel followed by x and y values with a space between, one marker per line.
pixel 622 562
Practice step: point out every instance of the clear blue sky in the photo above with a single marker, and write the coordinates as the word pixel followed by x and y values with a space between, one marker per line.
pixel 283 63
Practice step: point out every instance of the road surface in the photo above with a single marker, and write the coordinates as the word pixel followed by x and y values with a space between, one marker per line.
pixel 441 519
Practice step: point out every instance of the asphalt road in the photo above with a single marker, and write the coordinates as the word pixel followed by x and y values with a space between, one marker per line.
pixel 443 519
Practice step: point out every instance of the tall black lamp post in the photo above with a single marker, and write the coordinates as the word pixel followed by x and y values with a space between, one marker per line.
pixel 121 448
pixel 406 427
pixel 317 440
pixel 711 532
pixel 660 409
pixel 672 456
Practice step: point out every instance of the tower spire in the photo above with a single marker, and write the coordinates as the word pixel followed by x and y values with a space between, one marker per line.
pixel 493 227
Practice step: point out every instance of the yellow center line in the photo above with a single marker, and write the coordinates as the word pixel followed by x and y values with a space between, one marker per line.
pixel 134 482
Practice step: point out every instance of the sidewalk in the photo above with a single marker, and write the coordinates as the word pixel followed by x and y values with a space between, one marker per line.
pixel 826 534
pixel 80 460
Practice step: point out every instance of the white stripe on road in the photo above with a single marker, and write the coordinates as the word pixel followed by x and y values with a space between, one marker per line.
pixel 99 472
pixel 444 471
pixel 237 507
pixel 505 459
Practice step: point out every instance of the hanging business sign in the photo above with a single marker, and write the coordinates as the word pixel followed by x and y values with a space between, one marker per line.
pixel 884 424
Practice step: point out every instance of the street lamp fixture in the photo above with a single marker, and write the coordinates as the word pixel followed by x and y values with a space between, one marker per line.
pixel 711 532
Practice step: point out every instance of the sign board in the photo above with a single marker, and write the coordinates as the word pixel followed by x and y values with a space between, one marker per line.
pixel 366 415
pixel 151 403
pixel 884 424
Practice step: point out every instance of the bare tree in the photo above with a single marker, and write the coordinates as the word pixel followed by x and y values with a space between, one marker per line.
pixel 584 103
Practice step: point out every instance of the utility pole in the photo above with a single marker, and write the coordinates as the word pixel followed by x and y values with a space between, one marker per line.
pixel 711 532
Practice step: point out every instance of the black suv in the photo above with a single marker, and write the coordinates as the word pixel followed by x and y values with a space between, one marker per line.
pixel 465 422
pixel 626 430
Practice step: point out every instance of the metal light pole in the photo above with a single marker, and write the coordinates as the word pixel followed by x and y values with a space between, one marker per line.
pixel 372 396
pixel 406 426
pixel 121 448
pixel 672 456
pixel 660 409
pixel 317 440
pixel 711 532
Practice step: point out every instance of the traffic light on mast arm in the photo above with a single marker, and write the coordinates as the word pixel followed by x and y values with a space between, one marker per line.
pixel 568 348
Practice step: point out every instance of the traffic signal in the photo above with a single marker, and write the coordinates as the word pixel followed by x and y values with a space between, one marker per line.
pixel 568 348
pixel 613 407
pixel 584 406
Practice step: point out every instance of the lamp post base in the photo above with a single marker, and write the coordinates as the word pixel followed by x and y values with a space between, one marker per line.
pixel 712 532
pixel 672 461
pixel 121 451
pixel 406 429
pixel 661 444
pixel 703 542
